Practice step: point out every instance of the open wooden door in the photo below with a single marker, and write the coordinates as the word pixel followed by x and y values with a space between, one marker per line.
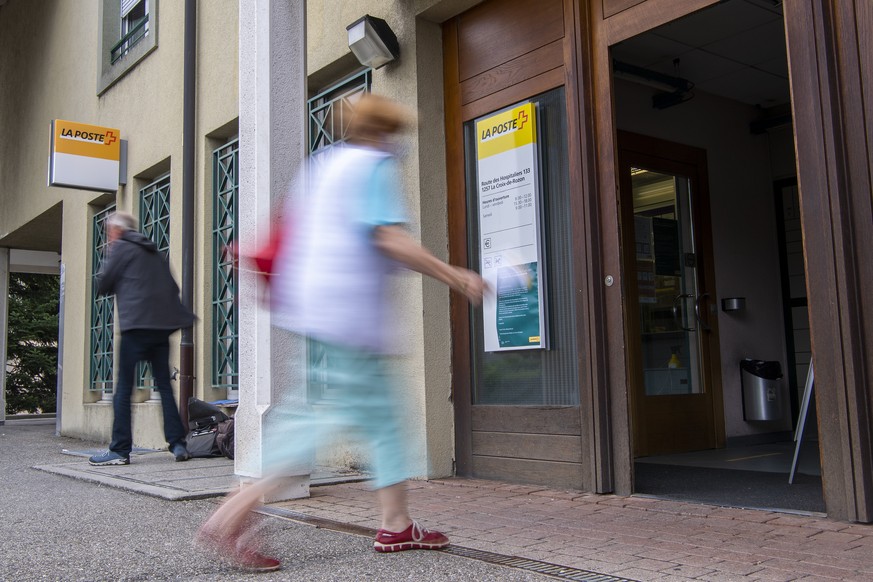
pixel 672 336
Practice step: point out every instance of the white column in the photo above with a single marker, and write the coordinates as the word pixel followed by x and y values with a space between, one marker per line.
pixel 272 130
pixel 4 311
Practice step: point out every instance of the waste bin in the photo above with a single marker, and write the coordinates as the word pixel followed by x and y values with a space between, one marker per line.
pixel 762 389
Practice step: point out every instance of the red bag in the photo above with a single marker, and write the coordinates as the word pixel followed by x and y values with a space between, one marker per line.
pixel 265 257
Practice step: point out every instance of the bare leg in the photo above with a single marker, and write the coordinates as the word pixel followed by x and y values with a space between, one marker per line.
pixel 230 517
pixel 227 532
pixel 399 532
pixel 395 511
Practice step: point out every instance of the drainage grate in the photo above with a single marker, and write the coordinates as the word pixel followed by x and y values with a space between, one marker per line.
pixel 553 570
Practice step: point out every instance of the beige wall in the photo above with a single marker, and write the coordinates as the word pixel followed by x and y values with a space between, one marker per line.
pixel 50 56
pixel 217 121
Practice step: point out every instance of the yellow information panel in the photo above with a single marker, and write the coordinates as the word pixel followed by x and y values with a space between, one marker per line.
pixel 506 131
pixel 510 246
pixel 84 156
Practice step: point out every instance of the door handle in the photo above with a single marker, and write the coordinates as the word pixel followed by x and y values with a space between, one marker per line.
pixel 703 325
pixel 676 316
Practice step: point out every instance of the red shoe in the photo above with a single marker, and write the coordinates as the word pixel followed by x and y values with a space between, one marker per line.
pixel 252 560
pixel 414 537
pixel 238 548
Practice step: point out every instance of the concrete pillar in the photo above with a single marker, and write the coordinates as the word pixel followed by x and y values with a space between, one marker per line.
pixel 272 114
pixel 4 311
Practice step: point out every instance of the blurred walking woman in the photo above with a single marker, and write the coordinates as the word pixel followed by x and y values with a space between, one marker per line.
pixel 331 286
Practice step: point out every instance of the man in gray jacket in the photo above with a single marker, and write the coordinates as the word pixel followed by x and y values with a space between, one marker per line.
pixel 149 310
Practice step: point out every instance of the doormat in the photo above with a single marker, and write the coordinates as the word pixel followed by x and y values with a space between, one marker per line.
pixel 730 487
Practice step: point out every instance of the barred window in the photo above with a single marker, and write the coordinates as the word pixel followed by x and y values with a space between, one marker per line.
pixel 102 310
pixel 225 311
pixel 127 34
pixel 154 222
pixel 327 129
pixel 134 26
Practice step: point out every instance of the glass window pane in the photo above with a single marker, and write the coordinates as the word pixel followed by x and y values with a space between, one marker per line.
pixel 531 377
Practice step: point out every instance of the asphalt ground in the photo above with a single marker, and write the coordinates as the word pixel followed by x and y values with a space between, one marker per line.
pixel 53 527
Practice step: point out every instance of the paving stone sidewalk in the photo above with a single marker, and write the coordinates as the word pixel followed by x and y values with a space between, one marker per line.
pixel 637 538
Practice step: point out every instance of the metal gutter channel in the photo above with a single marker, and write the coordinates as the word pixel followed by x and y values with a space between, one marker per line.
pixel 553 570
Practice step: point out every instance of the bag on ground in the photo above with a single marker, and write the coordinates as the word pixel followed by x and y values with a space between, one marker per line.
pixel 202 442
pixel 225 437
pixel 203 421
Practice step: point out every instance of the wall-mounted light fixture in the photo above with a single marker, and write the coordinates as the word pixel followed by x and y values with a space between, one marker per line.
pixel 372 41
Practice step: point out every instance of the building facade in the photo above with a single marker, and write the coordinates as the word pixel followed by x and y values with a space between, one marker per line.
pixel 698 187
pixel 120 65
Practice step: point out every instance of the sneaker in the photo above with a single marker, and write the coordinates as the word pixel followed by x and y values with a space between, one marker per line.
pixel 237 549
pixel 414 537
pixel 180 452
pixel 252 560
pixel 109 458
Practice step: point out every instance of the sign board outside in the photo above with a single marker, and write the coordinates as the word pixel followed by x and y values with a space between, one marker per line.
pixel 514 316
pixel 84 156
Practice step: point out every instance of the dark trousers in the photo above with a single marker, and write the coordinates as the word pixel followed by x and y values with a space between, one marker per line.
pixel 153 346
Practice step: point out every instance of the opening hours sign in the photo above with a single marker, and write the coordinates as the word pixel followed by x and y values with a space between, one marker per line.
pixel 510 237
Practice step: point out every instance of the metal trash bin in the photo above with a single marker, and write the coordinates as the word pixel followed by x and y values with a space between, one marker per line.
pixel 762 389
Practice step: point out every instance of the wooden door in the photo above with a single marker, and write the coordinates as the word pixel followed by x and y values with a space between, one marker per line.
pixel 671 331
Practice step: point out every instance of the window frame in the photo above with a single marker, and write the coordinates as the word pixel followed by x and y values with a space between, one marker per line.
pixel 134 27
pixel 154 223
pixel 111 37
pixel 225 232
pixel 326 131
pixel 102 328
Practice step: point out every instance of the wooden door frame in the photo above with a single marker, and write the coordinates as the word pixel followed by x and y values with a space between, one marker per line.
pixel 832 108
pixel 597 412
pixel 602 408
pixel 831 71
pixel 691 162
pixel 540 75
pixel 610 22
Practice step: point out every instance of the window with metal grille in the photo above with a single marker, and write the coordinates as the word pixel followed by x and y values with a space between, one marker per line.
pixel 327 129
pixel 225 312
pixel 127 34
pixel 154 222
pixel 102 310
pixel 326 124
pixel 134 26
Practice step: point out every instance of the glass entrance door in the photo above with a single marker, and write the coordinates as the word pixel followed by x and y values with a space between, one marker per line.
pixel 672 343
pixel 667 288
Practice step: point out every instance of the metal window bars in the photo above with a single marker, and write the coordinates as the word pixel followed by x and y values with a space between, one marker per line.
pixel 154 218
pixel 327 130
pixel 102 311
pixel 225 311
pixel 136 33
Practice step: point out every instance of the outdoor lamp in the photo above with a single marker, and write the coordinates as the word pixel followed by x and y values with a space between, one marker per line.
pixel 373 41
